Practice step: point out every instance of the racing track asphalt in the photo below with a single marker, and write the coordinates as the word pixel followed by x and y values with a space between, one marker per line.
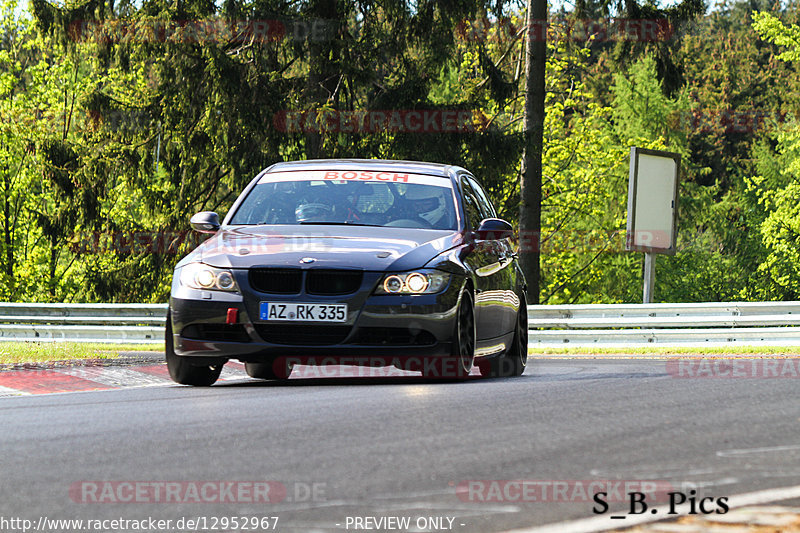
pixel 394 446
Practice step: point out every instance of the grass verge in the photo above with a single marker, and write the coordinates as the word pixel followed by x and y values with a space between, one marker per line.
pixel 674 350
pixel 38 352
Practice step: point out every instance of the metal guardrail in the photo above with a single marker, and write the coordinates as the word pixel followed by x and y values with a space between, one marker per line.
pixel 719 323
pixel 102 323
pixel 755 323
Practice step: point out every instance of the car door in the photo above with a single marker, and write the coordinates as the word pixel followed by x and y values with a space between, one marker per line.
pixel 505 301
pixel 486 261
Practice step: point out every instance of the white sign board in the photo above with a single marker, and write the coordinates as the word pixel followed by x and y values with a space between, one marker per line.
pixel 652 201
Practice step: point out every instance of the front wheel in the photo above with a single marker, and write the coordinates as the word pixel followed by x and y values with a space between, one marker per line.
pixel 459 364
pixel 181 369
pixel 514 360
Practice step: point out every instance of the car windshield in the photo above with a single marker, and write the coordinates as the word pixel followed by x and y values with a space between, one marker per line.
pixel 358 198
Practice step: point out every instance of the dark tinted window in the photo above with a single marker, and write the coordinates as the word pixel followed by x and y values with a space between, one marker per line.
pixel 309 201
pixel 483 200
pixel 472 206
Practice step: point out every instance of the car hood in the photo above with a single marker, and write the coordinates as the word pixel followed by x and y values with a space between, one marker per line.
pixel 360 247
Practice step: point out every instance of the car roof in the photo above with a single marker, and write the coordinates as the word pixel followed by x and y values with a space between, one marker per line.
pixel 414 167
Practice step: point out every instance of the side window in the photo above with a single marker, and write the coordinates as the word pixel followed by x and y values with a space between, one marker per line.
pixel 471 205
pixel 483 200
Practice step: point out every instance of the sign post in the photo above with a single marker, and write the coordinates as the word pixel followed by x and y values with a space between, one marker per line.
pixel 649 277
pixel 652 209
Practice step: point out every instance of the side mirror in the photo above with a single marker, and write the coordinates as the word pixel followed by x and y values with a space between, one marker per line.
pixel 205 222
pixel 494 229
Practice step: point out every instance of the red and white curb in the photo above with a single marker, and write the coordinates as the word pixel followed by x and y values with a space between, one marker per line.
pixel 64 377
pixel 89 378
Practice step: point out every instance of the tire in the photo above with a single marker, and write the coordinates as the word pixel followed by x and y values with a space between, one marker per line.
pixel 459 364
pixel 181 369
pixel 278 369
pixel 514 360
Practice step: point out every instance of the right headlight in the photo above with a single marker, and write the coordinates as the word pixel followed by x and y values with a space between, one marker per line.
pixel 416 282
pixel 204 277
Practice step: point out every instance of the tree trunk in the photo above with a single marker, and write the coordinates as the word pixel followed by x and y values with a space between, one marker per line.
pixel 322 78
pixel 530 210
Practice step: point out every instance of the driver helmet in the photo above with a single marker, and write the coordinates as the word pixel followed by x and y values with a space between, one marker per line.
pixel 427 201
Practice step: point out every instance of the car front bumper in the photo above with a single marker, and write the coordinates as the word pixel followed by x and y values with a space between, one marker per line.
pixel 379 328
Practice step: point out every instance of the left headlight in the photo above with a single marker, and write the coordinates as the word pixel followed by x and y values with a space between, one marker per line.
pixel 417 282
pixel 204 277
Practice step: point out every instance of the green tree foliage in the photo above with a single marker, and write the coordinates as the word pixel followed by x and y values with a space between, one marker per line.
pixel 41 197
pixel 182 117
pixel 586 183
pixel 119 122
pixel 641 29
pixel 777 182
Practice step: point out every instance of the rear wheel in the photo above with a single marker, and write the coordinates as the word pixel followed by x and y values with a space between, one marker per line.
pixel 459 364
pixel 181 369
pixel 278 369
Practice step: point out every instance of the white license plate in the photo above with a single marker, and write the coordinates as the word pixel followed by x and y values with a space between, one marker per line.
pixel 303 312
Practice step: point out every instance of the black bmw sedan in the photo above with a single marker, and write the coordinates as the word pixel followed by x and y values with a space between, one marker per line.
pixel 351 262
